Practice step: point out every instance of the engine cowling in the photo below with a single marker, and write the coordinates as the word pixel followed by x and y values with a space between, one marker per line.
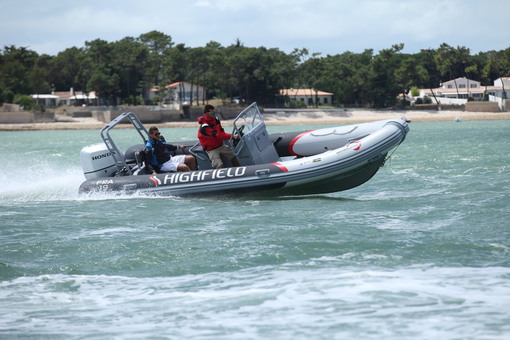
pixel 97 161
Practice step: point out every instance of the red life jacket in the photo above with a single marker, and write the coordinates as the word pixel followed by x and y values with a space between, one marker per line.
pixel 211 133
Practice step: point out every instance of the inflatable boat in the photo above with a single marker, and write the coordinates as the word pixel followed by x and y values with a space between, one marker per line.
pixel 319 161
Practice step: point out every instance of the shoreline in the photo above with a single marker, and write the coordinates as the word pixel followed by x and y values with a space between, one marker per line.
pixel 274 119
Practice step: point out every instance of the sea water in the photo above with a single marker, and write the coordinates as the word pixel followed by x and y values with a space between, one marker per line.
pixel 421 251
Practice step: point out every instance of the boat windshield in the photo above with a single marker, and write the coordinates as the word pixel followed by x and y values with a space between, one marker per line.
pixel 248 119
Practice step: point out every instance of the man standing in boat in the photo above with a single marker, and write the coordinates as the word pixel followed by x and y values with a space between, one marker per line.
pixel 211 136
pixel 158 155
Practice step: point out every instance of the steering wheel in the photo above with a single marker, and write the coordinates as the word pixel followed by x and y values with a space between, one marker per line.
pixel 240 133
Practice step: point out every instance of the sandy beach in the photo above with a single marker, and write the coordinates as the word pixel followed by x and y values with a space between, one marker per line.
pixel 286 118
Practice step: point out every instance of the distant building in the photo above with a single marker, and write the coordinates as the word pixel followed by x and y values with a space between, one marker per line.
pixel 502 81
pixel 308 96
pixel 463 88
pixel 184 92
pixel 48 100
pixel 68 98
pixel 460 90
pixel 501 88
pixel 72 97
pixel 500 93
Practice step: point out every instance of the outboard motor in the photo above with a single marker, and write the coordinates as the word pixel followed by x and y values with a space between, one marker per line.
pixel 97 161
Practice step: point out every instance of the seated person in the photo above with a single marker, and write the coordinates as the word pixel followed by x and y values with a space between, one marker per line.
pixel 158 157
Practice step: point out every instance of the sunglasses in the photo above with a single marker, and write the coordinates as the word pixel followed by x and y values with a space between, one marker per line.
pixel 157 134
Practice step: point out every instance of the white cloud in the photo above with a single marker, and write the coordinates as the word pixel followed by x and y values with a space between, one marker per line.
pixel 203 3
pixel 324 26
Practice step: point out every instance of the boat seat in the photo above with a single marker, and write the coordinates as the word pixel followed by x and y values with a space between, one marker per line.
pixel 140 157
pixel 139 168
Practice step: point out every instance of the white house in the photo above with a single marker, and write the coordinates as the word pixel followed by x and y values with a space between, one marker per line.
pixel 462 88
pixel 48 100
pixel 308 96
pixel 73 98
pixel 184 92
pixel 68 98
pixel 459 90
pixel 501 88
pixel 500 93
pixel 502 81
pixel 456 91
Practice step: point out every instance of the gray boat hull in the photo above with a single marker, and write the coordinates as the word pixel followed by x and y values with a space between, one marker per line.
pixel 322 161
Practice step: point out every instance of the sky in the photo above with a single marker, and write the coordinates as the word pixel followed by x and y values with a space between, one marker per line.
pixel 328 27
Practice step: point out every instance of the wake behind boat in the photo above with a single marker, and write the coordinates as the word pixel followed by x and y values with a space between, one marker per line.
pixel 294 163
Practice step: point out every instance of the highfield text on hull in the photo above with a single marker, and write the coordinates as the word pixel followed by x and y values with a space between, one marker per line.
pixel 294 163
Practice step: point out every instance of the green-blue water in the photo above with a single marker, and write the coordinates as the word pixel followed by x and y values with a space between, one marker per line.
pixel 420 251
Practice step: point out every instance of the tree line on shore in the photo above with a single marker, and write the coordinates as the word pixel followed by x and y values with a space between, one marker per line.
pixel 122 71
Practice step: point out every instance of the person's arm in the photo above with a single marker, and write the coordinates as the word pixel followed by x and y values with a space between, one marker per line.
pixel 223 135
pixel 220 132
pixel 172 147
pixel 209 131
